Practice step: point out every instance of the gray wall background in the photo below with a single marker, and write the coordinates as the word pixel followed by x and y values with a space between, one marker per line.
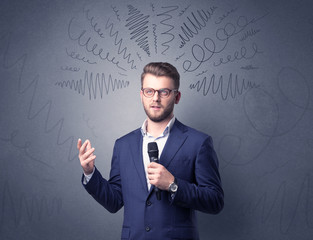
pixel 71 69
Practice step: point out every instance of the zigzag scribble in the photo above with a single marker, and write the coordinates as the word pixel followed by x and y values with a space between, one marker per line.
pixel 33 209
pixel 168 26
pixel 99 84
pixel 32 86
pixel 119 44
pixel 137 23
pixel 233 89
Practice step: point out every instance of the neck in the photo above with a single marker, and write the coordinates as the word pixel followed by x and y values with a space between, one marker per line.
pixel 157 128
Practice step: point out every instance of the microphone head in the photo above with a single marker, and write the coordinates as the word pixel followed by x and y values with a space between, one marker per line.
pixel 153 150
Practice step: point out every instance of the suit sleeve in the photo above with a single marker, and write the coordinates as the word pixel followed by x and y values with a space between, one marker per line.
pixel 107 193
pixel 206 193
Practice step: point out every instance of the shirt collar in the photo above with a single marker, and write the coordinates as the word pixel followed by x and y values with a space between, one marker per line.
pixel 165 132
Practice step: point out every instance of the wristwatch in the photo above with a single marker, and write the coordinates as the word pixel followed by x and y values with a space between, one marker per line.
pixel 173 187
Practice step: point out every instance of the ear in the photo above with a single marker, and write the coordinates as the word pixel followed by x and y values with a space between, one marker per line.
pixel 141 95
pixel 177 97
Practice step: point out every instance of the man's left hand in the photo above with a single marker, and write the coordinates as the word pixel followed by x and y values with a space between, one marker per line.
pixel 159 176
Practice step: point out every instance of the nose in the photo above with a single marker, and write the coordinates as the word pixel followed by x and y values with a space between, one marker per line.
pixel 156 96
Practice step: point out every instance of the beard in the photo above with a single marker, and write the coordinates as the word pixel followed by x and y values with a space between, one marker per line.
pixel 165 114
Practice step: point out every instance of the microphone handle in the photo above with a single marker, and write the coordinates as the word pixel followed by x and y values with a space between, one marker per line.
pixel 157 191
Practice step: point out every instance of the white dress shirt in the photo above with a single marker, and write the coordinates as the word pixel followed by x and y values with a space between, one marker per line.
pixel 147 138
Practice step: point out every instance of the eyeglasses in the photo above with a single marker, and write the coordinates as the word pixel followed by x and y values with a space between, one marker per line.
pixel 163 92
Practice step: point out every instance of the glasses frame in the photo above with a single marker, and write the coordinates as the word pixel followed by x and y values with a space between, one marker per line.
pixel 154 90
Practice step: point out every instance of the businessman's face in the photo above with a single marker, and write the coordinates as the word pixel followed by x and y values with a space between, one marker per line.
pixel 159 105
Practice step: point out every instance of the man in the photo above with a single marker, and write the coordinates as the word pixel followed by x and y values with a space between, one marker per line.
pixel 159 199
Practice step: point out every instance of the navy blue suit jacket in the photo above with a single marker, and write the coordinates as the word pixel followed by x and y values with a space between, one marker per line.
pixel 190 157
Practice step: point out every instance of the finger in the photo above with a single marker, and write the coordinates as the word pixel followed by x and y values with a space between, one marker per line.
pixel 83 147
pixel 88 153
pixel 88 145
pixel 88 160
pixel 153 165
pixel 79 143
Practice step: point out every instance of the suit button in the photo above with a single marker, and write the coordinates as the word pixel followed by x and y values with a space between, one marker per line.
pixel 148 229
pixel 149 203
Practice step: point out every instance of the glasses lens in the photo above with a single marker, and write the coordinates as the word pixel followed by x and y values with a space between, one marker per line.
pixel 149 92
pixel 164 92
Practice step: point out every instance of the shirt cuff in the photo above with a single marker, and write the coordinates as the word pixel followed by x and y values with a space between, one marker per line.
pixel 87 177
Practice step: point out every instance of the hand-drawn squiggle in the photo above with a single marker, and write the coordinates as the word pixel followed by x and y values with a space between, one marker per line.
pixel 168 26
pixel 204 52
pixel 233 89
pixel 249 33
pixel 196 24
pixel 99 84
pixel 116 12
pixel 137 24
pixel 46 107
pixel 77 56
pixel 280 198
pixel 23 148
pixel 155 38
pixel 118 42
pixel 36 207
pixel 94 50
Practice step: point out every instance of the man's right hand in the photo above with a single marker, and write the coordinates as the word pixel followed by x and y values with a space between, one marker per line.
pixel 86 156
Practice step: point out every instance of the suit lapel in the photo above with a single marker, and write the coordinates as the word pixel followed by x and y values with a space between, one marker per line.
pixel 136 150
pixel 174 142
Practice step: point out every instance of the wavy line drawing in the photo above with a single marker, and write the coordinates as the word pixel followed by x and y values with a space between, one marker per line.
pixel 184 10
pixel 194 25
pixel 119 42
pixel 98 84
pixel 267 207
pixel 170 27
pixel 115 10
pixel 137 23
pixel 45 108
pixel 249 33
pixel 155 38
pixel 32 208
pixel 233 89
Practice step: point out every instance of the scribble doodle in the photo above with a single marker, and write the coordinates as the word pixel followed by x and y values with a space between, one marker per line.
pixel 92 128
pixel 100 84
pixel 249 33
pixel 138 55
pixel 115 10
pixel 77 56
pixel 137 23
pixel 195 24
pixel 233 89
pixel 179 57
pixel 90 46
pixel 152 7
pixel 32 208
pixel 225 15
pixel 71 69
pixel 155 38
pixel 45 108
pixel 24 148
pixel 249 67
pixel 93 23
pixel 267 206
pixel 167 17
pixel 209 47
pixel 239 55
pixel 184 10
pixel 203 72
pixel 118 42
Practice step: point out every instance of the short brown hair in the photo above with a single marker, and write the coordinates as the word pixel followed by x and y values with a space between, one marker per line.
pixel 161 69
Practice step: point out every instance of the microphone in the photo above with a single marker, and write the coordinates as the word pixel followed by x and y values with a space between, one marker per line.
pixel 153 152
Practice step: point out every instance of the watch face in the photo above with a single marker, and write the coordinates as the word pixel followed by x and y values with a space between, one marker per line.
pixel 173 187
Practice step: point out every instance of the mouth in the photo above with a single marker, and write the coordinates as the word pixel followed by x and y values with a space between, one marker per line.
pixel 155 107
